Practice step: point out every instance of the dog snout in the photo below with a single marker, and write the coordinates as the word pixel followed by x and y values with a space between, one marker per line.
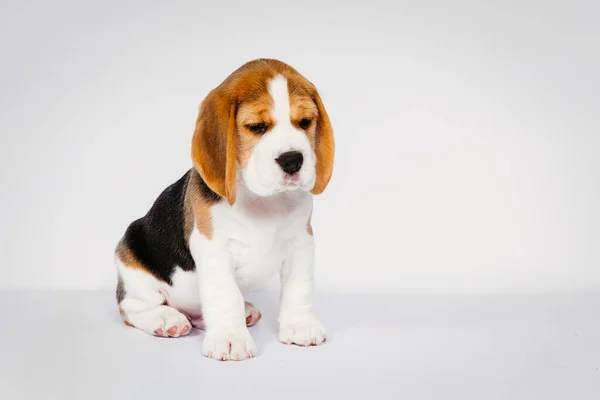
pixel 290 162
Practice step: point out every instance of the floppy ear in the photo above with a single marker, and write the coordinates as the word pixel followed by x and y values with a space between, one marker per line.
pixel 324 147
pixel 213 145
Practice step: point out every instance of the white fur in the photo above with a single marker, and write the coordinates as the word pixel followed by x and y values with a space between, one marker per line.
pixel 263 175
pixel 297 321
pixel 145 295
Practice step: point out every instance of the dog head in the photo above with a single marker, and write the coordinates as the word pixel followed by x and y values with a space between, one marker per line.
pixel 266 126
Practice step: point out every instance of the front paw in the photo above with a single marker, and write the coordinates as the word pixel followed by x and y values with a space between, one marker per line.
pixel 306 331
pixel 220 345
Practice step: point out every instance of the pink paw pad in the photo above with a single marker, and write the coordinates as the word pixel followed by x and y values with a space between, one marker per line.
pixel 172 331
pixel 253 318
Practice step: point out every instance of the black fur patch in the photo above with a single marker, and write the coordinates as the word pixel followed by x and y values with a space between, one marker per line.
pixel 158 239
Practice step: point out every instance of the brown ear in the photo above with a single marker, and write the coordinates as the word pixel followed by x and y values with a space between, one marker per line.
pixel 213 145
pixel 324 147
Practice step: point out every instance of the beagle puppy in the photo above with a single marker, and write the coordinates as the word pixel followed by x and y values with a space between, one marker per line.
pixel 262 146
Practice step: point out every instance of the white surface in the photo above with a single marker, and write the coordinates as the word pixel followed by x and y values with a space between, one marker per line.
pixel 73 345
pixel 467 133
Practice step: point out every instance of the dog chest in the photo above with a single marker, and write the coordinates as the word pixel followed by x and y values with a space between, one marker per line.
pixel 257 252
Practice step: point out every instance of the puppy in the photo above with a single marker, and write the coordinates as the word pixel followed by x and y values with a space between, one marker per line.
pixel 263 144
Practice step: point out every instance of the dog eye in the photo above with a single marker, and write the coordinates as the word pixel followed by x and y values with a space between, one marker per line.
pixel 304 123
pixel 259 128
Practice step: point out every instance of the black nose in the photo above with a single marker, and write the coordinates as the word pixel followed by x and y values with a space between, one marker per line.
pixel 290 162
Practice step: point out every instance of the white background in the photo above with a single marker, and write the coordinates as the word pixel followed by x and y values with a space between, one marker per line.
pixel 468 135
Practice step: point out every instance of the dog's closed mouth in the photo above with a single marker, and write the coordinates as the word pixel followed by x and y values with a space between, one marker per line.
pixel 291 180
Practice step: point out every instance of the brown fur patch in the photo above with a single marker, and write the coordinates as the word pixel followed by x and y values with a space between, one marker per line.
pixel 309 226
pixel 127 257
pixel 211 144
pixel 188 209
pixel 197 208
pixel 302 107
pixel 245 147
pixel 129 260
pixel 250 113
pixel 325 147
pixel 124 316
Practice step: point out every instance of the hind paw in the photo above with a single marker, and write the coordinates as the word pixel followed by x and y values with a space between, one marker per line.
pixel 253 314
